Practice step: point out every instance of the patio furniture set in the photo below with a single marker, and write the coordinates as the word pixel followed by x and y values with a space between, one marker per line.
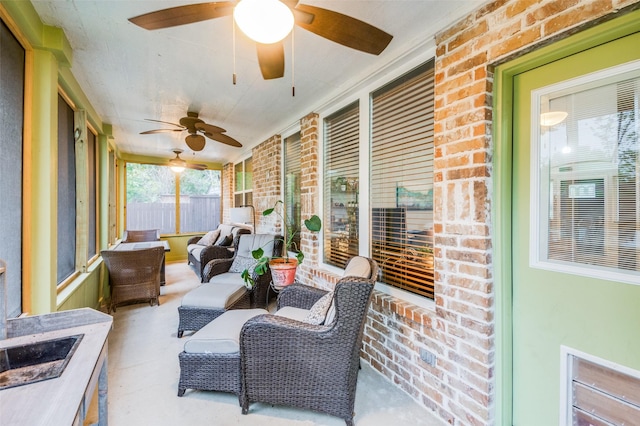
pixel 310 345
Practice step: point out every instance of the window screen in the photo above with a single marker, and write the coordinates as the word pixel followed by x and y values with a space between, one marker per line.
pixel 12 59
pixel 402 181
pixel 66 192
pixel 93 219
pixel 341 186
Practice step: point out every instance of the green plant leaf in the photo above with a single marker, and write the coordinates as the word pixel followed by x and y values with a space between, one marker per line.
pixel 313 224
pixel 257 253
pixel 300 257
pixel 248 280
pixel 262 265
pixel 267 212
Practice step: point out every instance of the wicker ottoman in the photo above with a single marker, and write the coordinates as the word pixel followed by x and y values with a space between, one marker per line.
pixel 211 357
pixel 205 303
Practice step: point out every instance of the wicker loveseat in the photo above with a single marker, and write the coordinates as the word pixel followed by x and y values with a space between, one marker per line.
pixel 287 358
pixel 216 244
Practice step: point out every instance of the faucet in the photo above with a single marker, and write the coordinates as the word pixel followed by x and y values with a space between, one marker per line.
pixel 3 300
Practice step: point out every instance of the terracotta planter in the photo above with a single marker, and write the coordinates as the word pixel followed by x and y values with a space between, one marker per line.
pixel 283 271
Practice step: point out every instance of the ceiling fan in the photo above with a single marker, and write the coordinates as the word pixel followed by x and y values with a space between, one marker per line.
pixel 331 25
pixel 178 164
pixel 194 126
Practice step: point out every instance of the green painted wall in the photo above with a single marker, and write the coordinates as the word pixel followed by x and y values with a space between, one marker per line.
pixel 538 311
pixel 48 59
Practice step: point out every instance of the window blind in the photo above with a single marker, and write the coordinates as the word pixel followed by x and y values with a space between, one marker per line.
pixel 292 175
pixel 402 181
pixel 592 191
pixel 341 167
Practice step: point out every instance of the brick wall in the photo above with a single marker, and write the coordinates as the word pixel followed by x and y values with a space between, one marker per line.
pixel 459 333
pixel 267 170
pixel 309 194
pixel 228 186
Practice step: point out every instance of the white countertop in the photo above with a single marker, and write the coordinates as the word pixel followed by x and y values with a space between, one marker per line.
pixel 55 401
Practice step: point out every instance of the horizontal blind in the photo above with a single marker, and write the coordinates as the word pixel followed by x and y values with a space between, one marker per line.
pixel 341 166
pixel 292 175
pixel 594 213
pixel 402 181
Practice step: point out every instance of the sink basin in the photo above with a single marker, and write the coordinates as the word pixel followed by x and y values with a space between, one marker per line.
pixel 34 362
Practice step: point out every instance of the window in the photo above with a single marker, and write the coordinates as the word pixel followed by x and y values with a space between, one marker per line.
pixel 401 183
pixel 292 175
pixel 152 201
pixel 66 192
pixel 12 64
pixel 113 193
pixel 93 182
pixel 243 195
pixel 341 186
pixel 587 185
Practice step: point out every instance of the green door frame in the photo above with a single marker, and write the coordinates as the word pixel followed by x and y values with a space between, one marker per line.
pixel 502 204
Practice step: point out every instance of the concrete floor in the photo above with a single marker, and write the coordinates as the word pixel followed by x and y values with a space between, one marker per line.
pixel 144 372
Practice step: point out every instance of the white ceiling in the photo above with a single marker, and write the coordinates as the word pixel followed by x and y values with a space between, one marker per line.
pixel 131 74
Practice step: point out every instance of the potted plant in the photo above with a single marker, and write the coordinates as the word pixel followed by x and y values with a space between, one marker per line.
pixel 283 267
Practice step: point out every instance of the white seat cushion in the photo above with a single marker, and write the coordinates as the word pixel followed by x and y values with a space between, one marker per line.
pixel 210 295
pixel 222 335
pixel 195 250
pixel 297 314
pixel 226 278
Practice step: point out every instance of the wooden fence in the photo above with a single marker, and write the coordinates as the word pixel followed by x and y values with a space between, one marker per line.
pixel 198 213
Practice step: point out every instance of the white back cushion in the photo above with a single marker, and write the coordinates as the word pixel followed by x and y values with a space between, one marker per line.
pixel 358 266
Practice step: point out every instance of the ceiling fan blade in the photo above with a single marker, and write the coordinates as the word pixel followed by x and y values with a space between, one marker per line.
pixel 181 15
pixel 197 166
pixel 271 59
pixel 344 30
pixel 164 122
pixel 221 137
pixel 195 142
pixel 209 128
pixel 151 132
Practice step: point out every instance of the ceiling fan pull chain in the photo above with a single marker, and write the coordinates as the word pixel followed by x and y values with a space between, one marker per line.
pixel 233 37
pixel 293 63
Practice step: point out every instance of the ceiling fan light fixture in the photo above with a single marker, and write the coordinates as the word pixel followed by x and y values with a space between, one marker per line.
pixel 264 21
pixel 552 118
pixel 177 164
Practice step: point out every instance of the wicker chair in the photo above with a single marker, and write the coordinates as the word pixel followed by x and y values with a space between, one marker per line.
pixel 193 317
pixel 136 236
pixel 315 367
pixel 134 275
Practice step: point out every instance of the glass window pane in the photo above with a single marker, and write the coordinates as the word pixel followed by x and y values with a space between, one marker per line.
pixel 248 174
pixel 199 200
pixel 238 169
pixel 402 181
pixel 588 185
pixel 151 198
pixel 341 167
pixel 292 174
